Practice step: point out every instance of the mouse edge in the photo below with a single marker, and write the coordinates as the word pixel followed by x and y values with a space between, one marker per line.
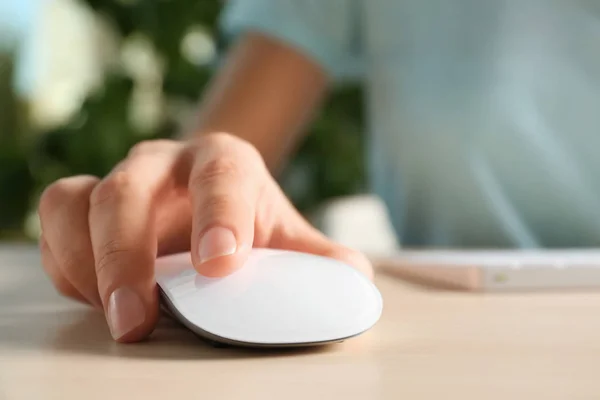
pixel 222 342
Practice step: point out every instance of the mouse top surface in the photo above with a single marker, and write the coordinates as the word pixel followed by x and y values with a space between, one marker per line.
pixel 276 298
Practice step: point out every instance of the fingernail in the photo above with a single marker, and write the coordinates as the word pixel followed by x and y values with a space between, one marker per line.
pixel 217 242
pixel 125 312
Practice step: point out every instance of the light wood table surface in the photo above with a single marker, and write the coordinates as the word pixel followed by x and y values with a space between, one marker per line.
pixel 429 344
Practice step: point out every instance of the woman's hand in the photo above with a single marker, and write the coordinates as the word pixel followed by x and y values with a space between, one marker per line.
pixel 213 196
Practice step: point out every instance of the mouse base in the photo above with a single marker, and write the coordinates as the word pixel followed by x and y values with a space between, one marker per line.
pixel 228 344
pixel 221 342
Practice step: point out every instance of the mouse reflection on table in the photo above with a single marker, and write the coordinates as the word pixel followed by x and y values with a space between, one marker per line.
pixel 279 299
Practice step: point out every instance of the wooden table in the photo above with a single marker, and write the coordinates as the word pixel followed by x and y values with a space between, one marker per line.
pixel 430 344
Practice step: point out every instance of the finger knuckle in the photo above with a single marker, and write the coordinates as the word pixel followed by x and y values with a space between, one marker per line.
pixel 146 147
pixel 110 254
pixel 231 143
pixel 54 196
pixel 65 192
pixel 220 138
pixel 215 170
pixel 212 209
pixel 216 204
pixel 112 188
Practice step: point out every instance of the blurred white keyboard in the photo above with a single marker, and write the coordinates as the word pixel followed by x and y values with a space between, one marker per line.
pixel 500 270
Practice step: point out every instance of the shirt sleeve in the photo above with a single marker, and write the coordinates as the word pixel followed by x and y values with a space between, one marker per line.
pixel 327 31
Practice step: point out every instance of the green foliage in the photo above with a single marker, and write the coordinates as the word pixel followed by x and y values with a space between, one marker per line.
pixel 16 180
pixel 330 159
pixel 165 24
pixel 328 163
pixel 94 140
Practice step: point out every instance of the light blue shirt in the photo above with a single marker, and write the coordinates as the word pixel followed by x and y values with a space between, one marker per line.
pixel 484 115
pixel 17 24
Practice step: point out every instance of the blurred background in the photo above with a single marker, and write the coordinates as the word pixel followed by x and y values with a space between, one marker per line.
pixel 81 81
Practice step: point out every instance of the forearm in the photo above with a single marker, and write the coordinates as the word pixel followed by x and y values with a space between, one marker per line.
pixel 265 93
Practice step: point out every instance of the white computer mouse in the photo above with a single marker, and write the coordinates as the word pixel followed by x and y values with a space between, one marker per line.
pixel 277 299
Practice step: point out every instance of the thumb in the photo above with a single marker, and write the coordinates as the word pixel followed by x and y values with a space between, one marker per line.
pixel 296 234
